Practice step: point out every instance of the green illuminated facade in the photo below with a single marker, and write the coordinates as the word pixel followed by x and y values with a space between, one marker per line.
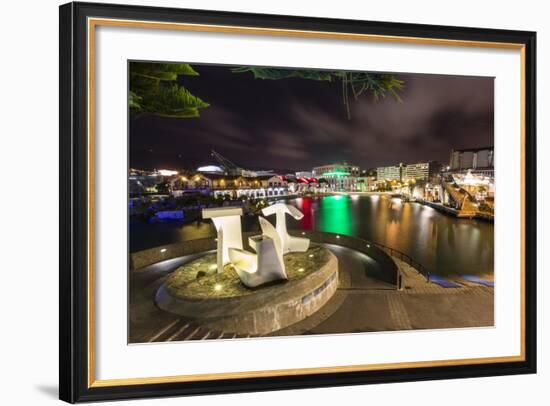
pixel 340 176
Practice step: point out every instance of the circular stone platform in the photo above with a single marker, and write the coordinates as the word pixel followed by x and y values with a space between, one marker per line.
pixel 220 301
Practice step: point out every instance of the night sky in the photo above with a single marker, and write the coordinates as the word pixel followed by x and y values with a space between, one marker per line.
pixel 293 124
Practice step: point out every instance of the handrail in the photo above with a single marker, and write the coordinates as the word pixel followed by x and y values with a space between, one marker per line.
pixel 421 269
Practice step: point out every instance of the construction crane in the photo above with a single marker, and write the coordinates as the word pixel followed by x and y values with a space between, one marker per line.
pixel 229 167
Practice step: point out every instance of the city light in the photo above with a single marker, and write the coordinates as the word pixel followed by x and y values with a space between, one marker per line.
pixel 210 168
pixel 167 172
pixel 163 250
pixel 336 173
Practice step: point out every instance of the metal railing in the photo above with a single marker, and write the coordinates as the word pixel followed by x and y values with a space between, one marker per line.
pixel 421 269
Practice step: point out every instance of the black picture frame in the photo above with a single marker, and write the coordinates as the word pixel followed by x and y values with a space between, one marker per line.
pixel 74 385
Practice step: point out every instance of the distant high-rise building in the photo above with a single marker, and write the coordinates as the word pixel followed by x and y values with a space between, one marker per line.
pixel 484 158
pixel 472 158
pixel 421 171
pixel 394 172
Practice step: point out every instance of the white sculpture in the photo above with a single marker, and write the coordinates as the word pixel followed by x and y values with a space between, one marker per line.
pixel 290 243
pixel 228 225
pixel 267 265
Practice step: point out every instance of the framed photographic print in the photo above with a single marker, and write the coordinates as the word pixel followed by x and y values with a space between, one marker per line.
pixel 257 202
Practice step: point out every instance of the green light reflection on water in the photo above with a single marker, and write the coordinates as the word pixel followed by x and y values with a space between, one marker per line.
pixel 335 215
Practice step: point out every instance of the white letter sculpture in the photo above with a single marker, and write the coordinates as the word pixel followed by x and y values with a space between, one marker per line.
pixel 267 264
pixel 228 225
pixel 290 243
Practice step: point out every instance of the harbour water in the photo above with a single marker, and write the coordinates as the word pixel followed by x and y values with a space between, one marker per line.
pixel 443 244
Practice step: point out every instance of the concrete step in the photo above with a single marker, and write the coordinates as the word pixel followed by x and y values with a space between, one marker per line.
pixel 201 334
pixel 185 334
pixel 215 335
pixel 182 330
pixel 168 331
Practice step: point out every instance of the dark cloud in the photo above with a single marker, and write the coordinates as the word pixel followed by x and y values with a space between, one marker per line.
pixel 296 123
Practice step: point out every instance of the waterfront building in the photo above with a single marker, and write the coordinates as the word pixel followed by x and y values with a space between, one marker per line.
pixel 366 183
pixel 394 172
pixel 478 160
pixel 189 182
pixel 147 182
pixel 312 185
pixel 479 186
pixel 342 183
pixel 422 171
pixel 369 172
pixel 433 192
pixel 339 176
pixel 210 181
pixel 244 186
pixel 304 174
pixel 336 169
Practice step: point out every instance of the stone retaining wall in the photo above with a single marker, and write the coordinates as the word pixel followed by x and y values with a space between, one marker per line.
pixel 391 271
pixel 266 310
pixel 151 256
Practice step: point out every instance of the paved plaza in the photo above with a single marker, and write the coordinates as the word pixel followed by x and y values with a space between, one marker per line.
pixel 362 303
